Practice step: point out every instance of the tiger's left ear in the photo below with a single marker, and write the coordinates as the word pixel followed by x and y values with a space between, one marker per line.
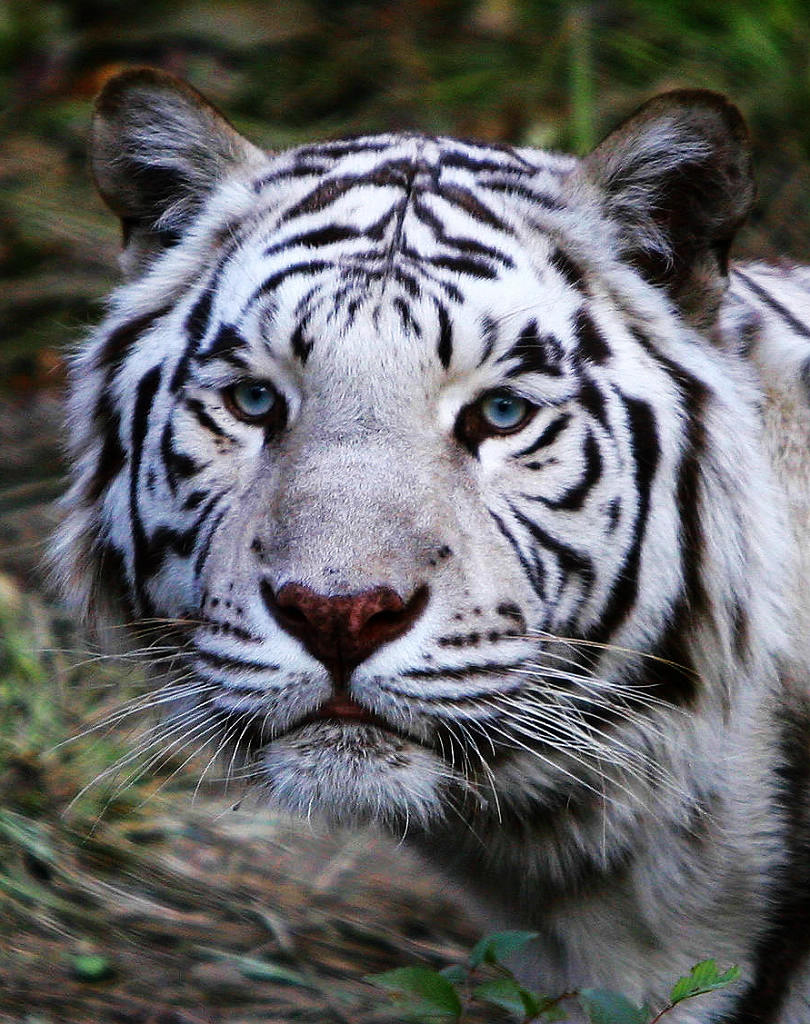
pixel 675 179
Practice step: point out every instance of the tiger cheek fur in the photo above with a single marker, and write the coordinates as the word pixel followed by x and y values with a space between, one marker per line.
pixel 445 472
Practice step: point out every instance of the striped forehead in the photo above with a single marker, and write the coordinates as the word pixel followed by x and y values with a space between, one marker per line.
pixel 416 237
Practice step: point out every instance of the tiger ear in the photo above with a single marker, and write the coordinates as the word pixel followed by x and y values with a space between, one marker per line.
pixel 675 178
pixel 158 150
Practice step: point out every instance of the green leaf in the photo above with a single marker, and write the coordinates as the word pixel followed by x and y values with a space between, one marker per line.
pixel 427 993
pixel 497 945
pixel 507 994
pixel 266 970
pixel 553 1012
pixel 92 967
pixel 455 973
pixel 704 977
pixel 603 1007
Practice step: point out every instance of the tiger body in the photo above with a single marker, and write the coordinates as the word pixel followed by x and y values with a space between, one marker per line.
pixel 476 491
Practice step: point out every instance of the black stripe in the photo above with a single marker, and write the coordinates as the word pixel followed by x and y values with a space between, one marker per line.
pixel 168 539
pixel 394 173
pixel 409 325
pixel 534 353
pixel 469 202
pixel 111 576
pixel 448 287
pixel 119 343
pixel 464 671
pixel 574 497
pixel 167 454
pixel 376 231
pixel 670 673
pixel 479 164
pixel 489 329
pixel 112 457
pixel 196 326
pixel 570 560
pixel 147 390
pixel 534 570
pixel 468 246
pixel 215 626
pixel 591 341
pixel 593 401
pixel 571 271
pixel 548 436
pixel 444 348
pixel 297 269
pixel 202 416
pixel 694 398
pixel 227 345
pixel 300 345
pixel 451 290
pixel 194 500
pixel 614 511
pixel 464 265
pixel 220 661
pixel 178 465
pixel 795 324
pixel 336 299
pixel 316 238
pixel 337 148
pixel 408 282
pixel 205 547
pixel 646 451
pixel 106 419
pixel 541 199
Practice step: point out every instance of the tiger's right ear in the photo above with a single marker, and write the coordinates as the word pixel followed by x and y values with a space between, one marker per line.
pixel 158 150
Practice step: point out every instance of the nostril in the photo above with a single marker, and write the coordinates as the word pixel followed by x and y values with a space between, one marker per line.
pixel 384 618
pixel 345 629
pixel 399 615
pixel 292 614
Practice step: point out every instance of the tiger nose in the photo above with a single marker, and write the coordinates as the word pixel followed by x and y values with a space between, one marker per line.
pixel 342 631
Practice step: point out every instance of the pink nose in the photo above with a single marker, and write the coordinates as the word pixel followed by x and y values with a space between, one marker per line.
pixel 344 630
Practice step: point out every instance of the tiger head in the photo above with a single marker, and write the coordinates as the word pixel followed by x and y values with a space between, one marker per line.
pixel 423 457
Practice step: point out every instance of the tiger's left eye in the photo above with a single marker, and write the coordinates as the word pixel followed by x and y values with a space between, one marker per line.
pixel 254 401
pixel 503 411
pixel 495 414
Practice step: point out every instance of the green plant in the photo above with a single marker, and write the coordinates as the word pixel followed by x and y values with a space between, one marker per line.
pixel 439 997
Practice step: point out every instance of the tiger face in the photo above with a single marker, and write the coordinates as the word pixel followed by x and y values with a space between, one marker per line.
pixel 404 439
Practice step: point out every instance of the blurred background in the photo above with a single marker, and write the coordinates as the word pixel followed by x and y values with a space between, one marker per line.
pixel 145 898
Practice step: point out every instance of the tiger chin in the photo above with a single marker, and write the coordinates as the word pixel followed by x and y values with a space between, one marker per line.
pixel 463 489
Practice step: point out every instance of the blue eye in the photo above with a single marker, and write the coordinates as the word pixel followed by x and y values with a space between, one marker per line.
pixel 253 401
pixel 495 414
pixel 504 411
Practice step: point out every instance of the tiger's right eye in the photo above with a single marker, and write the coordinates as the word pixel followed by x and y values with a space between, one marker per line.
pixel 255 401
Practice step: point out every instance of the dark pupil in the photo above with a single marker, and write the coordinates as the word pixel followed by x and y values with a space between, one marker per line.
pixel 505 406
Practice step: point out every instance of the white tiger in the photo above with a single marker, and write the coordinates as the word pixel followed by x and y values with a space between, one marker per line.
pixel 473 488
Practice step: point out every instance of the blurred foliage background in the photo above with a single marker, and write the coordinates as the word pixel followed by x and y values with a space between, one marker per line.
pixel 127 904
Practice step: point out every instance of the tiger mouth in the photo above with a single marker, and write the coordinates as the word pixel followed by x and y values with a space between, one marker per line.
pixel 339 710
pixel 342 708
